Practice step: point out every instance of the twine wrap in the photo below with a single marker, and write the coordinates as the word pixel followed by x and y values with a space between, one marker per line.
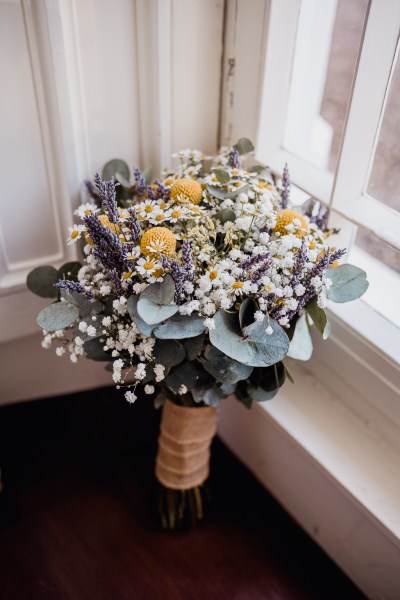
pixel 183 457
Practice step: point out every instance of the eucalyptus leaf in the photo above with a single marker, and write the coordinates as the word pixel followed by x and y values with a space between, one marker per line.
pixel 222 175
pixel 122 180
pixel 41 281
pixel 225 215
pixel 319 318
pixel 259 395
pixel 94 349
pixel 246 312
pixel 168 353
pixel 155 303
pixel 69 271
pixel 57 316
pixel 301 346
pixel 86 307
pixel 114 166
pixel 148 175
pixel 192 375
pixel 223 368
pixel 244 146
pixel 143 327
pixel 258 169
pixel 211 397
pixel 180 327
pixel 222 195
pixel 348 283
pixel 193 346
pixel 228 388
pixel 252 346
pixel 269 378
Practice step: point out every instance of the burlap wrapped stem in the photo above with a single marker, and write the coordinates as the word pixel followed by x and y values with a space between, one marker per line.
pixel 183 458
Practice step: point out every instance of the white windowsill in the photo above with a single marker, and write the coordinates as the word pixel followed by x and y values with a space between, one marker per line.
pixel 336 476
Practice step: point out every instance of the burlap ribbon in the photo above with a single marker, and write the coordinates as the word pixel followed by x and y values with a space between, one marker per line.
pixel 184 445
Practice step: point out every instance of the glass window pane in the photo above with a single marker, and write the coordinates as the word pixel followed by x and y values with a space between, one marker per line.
pixel 382 265
pixel 325 57
pixel 384 181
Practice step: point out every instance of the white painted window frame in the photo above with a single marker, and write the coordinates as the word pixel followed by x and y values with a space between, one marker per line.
pixel 345 191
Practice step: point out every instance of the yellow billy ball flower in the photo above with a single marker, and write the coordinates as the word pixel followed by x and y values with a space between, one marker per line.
pixel 286 217
pixel 158 240
pixel 186 190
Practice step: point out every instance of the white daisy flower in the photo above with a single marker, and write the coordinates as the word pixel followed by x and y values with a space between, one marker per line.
pixel 75 233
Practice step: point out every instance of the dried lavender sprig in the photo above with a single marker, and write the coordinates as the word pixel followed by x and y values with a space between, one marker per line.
pixel 261 270
pixel 134 225
pixel 140 183
pixel 108 249
pixel 178 275
pixel 163 192
pixel 234 159
pixel 73 286
pixel 114 277
pixel 187 261
pixel 108 197
pixel 298 266
pixel 285 190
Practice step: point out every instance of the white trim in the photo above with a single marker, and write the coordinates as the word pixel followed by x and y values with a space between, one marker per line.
pixel 336 476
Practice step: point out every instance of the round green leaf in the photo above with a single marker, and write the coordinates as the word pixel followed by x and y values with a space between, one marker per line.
pixel 319 318
pixel 69 271
pixel 244 146
pixel 57 316
pixel 301 346
pixel 86 307
pixel 252 346
pixel 193 346
pixel 180 327
pixel 155 303
pixel 41 281
pixel 348 283
pixel 223 368
pixel 143 327
pixel 222 175
pixel 114 166
pixel 168 353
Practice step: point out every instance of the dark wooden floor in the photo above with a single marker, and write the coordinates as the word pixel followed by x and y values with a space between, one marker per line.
pixel 78 517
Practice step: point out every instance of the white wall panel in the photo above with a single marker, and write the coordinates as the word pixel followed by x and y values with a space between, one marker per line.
pixel 28 224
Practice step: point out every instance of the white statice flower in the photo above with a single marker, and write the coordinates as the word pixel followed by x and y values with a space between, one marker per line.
pixel 46 342
pixel 91 331
pixel 117 370
pixel 82 326
pixel 182 390
pixel 327 282
pixel 283 321
pixel 130 397
pixel 316 282
pixel 269 330
pixel 105 290
pixel 73 357
pixel 209 324
pixel 60 350
pixel 159 372
pixel 140 372
pixel 106 321
pixel 78 341
pixel 149 389
pixel 259 315
pixel 299 290
pixel 322 300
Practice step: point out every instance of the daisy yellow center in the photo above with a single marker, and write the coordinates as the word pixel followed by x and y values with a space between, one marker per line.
pixel 286 217
pixel 176 213
pixel 127 275
pixel 158 272
pixel 163 205
pixel 186 190
pixel 158 239
pixel 160 217
pixel 237 285
pixel 213 275
pixel 148 265
pixel 148 208
pixel 88 212
pixel 74 234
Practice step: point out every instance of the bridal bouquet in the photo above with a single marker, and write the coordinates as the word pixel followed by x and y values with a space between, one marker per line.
pixel 195 286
